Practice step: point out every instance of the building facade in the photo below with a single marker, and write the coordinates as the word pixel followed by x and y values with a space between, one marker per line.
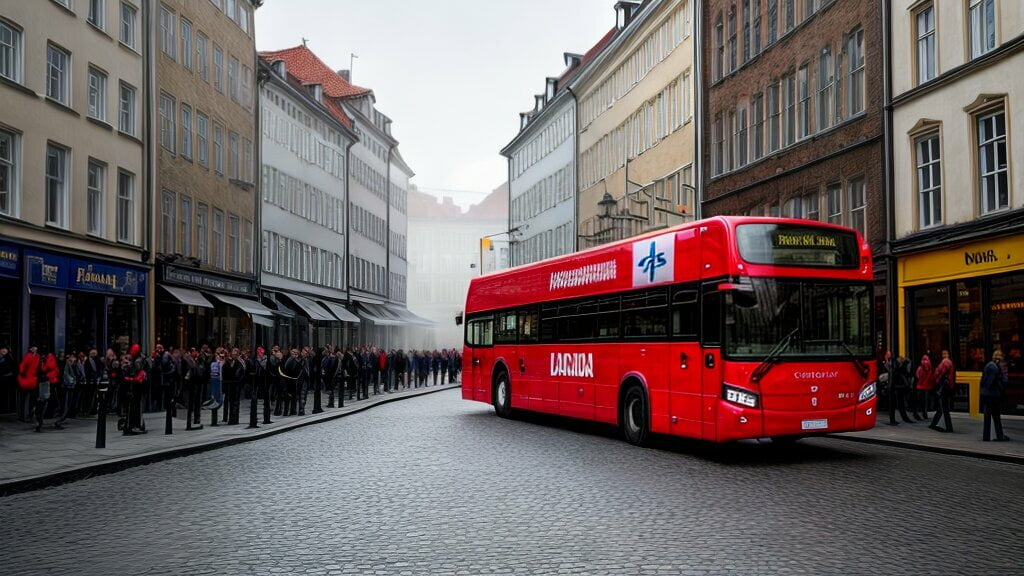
pixel 793 117
pixel 958 202
pixel 635 124
pixel 451 248
pixel 74 252
pixel 305 143
pixel 204 153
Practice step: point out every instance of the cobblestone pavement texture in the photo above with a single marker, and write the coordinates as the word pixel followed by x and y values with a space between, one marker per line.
pixel 437 485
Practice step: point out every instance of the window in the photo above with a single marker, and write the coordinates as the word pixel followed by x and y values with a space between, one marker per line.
pixel 757 123
pixel 126 207
pixel 186 226
pixel 925 43
pixel 10 52
pixel 186 132
pixel 810 206
pixel 774 117
pixel 167 129
pixel 732 39
pixel 247 162
pixel 128 19
pixel 834 202
pixel 993 185
pixel 202 66
pixel 825 80
pixel 94 198
pixel 755 36
pixel 788 109
pixel 929 180
pixel 855 84
pixel 719 137
pixel 233 158
pixel 167 42
pixel 218 68
pixel 218 148
pixel 202 135
pixel 57 162
pixel 202 233
pixel 719 48
pixel 243 19
pixel 218 238
pixel 982 23
pixel 58 80
pixel 97 94
pixel 742 146
pixel 855 195
pixel 803 112
pixel 246 247
pixel 773 21
pixel 126 109
pixel 746 30
pixel 96 14
pixel 186 44
pixel 233 78
pixel 790 15
pixel 8 173
pixel 233 256
pixel 167 223
pixel 247 87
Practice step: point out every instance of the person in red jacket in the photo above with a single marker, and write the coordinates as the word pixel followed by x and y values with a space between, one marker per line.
pixel 923 387
pixel 945 381
pixel 28 383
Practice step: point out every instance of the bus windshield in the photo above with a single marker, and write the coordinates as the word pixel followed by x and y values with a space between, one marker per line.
pixel 819 319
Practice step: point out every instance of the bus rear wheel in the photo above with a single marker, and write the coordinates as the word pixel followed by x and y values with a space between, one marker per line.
pixel 633 418
pixel 502 395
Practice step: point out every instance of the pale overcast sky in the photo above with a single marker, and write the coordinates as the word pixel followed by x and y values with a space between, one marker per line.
pixel 453 75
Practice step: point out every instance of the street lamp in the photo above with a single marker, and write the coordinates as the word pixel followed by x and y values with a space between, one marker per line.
pixel 485 240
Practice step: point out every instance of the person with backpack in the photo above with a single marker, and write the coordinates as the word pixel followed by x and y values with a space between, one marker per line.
pixel 994 379
pixel 945 380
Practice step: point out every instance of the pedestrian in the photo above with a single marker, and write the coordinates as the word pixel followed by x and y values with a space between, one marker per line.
pixel 902 380
pixel 435 365
pixel 290 371
pixel 93 368
pixel 925 381
pixel 274 380
pixel 136 376
pixel 8 378
pixel 72 375
pixel 29 377
pixel 945 381
pixel 305 378
pixel 350 371
pixel 994 379
pixel 191 387
pixel 216 363
pixel 233 376
pixel 329 371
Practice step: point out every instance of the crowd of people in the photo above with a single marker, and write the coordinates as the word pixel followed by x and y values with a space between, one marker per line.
pixel 211 378
pixel 932 385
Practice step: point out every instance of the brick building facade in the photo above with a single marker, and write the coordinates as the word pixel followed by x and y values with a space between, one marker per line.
pixel 793 116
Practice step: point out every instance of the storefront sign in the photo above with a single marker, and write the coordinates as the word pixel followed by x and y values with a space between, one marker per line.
pixel 197 279
pixel 986 257
pixel 63 273
pixel 9 260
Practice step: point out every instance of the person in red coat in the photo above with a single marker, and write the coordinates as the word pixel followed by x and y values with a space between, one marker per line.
pixel 923 387
pixel 945 382
pixel 28 383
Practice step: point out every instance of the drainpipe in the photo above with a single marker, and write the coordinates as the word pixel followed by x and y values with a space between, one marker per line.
pixel 575 170
pixel 698 108
pixel 149 166
pixel 892 285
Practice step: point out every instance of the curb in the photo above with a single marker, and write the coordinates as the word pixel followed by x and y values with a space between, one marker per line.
pixel 32 483
pixel 1006 458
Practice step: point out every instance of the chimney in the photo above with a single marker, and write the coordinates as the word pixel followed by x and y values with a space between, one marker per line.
pixel 346 75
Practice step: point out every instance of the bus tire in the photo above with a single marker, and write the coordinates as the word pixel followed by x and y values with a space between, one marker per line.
pixel 633 416
pixel 502 395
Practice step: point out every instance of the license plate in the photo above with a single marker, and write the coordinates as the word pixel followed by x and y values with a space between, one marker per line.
pixel 814 424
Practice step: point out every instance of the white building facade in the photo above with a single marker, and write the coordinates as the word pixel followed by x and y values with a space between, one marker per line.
pixel 304 210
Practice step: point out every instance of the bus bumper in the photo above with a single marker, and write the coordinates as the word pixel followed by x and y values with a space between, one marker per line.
pixel 738 423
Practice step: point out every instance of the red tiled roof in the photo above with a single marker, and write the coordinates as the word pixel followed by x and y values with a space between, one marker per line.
pixel 310 69
pixel 590 55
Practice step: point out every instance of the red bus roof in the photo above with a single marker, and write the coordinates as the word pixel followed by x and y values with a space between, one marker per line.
pixel 660 257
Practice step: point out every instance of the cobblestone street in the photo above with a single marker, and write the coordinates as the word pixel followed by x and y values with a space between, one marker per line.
pixel 436 485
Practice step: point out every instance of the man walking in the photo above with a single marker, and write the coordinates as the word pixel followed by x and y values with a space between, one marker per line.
pixel 994 379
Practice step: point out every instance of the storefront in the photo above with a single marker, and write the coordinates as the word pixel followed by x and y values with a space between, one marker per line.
pixel 314 321
pixel 70 303
pixel 968 299
pixel 197 307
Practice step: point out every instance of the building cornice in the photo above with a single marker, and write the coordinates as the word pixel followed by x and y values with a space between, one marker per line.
pixel 990 226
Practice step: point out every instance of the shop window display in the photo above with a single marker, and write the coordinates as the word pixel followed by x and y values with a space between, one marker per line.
pixel 1006 321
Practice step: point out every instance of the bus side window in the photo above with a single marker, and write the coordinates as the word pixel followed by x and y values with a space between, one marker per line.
pixel 505 331
pixel 711 319
pixel 487 332
pixel 548 322
pixel 685 315
pixel 528 324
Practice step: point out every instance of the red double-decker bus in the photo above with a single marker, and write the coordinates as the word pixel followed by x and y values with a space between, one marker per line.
pixel 722 329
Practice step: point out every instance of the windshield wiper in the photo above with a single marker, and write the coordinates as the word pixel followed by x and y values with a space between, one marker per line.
pixel 864 370
pixel 773 356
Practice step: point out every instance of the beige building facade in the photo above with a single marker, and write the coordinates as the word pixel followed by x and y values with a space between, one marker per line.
pixel 958 200
pixel 635 124
pixel 74 257
pixel 205 200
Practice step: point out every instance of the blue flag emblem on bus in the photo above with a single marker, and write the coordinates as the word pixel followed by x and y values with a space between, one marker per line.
pixel 653 260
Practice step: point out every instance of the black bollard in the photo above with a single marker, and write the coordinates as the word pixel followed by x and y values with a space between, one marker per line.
pixel 317 408
pixel 213 417
pixel 254 404
pixel 168 422
pixel 101 419
pixel 188 410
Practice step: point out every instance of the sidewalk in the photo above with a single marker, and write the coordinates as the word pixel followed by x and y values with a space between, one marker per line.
pixel 30 460
pixel 965 440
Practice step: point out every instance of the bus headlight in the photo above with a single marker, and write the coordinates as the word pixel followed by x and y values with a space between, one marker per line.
pixel 739 396
pixel 867 392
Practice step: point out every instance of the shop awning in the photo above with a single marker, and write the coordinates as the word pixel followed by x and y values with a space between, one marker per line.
pixel 308 307
pixel 403 313
pixel 339 311
pixel 251 307
pixel 262 321
pixel 373 313
pixel 187 297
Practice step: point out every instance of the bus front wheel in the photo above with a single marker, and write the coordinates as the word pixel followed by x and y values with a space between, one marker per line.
pixel 502 395
pixel 633 420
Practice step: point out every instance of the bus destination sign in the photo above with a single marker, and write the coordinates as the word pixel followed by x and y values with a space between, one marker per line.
pixel 789 245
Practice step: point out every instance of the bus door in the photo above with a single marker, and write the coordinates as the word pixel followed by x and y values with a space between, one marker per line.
pixel 685 363
pixel 714 257
pixel 481 340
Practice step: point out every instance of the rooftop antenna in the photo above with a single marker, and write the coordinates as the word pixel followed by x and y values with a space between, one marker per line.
pixel 304 40
pixel 351 66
